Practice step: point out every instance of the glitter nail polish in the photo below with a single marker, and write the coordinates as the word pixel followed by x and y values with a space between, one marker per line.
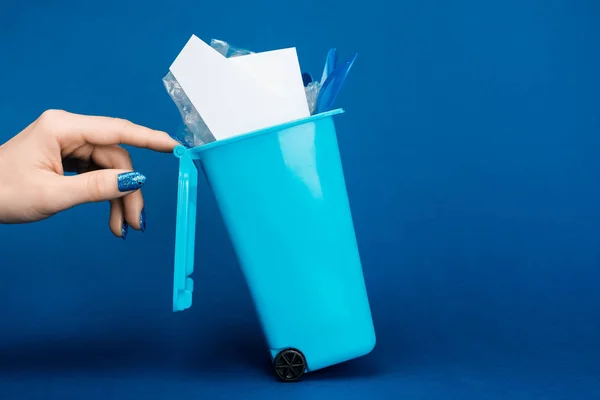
pixel 124 230
pixel 143 221
pixel 128 181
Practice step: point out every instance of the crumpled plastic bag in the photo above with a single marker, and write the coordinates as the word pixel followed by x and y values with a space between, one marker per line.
pixel 228 50
pixel 312 93
pixel 195 131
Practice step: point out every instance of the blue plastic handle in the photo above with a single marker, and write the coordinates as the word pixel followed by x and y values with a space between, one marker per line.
pixel 187 195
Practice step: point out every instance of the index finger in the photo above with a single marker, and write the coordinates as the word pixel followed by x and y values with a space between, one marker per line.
pixel 106 131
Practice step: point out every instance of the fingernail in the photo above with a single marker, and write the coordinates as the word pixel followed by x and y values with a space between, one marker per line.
pixel 130 181
pixel 143 221
pixel 124 230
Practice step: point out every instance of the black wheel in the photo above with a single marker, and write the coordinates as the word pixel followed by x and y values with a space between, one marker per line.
pixel 290 365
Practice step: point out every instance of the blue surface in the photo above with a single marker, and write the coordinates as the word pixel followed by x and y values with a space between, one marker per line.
pixel 282 194
pixel 470 148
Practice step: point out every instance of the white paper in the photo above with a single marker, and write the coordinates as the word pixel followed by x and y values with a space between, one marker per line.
pixel 242 94
pixel 280 70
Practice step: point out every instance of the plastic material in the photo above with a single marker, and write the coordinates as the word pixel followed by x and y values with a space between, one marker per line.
pixel 185 233
pixel 333 83
pixel 312 92
pixel 330 63
pixel 195 132
pixel 282 194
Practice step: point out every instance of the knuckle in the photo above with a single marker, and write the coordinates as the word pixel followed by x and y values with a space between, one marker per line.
pixel 96 186
pixel 49 117
pixel 50 120
pixel 124 123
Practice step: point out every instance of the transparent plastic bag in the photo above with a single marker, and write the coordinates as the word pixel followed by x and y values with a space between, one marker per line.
pixel 312 93
pixel 228 50
pixel 196 132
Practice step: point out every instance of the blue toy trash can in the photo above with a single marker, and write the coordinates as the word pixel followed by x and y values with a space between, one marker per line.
pixel 282 194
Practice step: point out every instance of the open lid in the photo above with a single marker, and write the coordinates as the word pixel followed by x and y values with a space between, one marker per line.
pixel 187 193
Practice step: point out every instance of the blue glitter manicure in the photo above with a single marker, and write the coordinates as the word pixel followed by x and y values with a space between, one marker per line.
pixel 143 221
pixel 128 181
pixel 124 230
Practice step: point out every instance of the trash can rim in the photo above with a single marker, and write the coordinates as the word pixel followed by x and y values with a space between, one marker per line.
pixel 181 150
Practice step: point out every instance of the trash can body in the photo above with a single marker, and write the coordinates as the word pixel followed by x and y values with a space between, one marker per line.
pixel 282 195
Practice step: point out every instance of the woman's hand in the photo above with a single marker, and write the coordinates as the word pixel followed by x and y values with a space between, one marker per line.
pixel 32 166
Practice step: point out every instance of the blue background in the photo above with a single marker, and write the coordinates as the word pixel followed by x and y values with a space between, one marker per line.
pixel 470 147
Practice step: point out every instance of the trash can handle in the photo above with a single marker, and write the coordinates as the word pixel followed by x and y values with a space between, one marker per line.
pixel 187 194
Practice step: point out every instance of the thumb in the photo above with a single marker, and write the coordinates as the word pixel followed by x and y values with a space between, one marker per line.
pixel 100 185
